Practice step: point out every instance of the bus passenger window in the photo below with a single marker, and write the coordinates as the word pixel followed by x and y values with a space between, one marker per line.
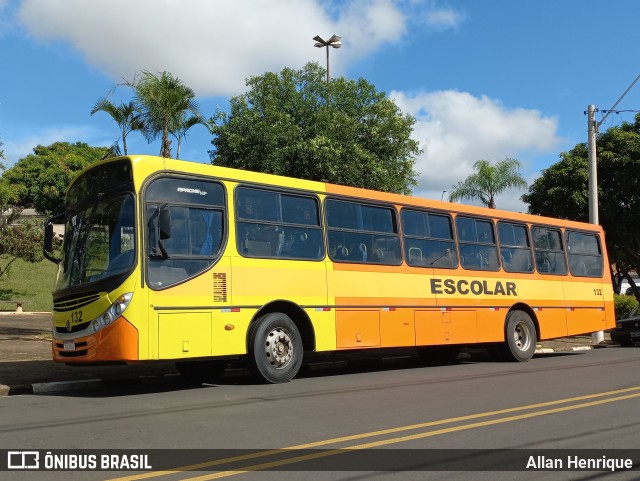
pixel 362 233
pixel 428 239
pixel 515 250
pixel 277 224
pixel 549 251
pixel 478 250
pixel 585 256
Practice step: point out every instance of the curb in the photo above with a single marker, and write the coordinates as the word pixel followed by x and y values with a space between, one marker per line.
pixel 548 350
pixel 66 386
pixel 77 385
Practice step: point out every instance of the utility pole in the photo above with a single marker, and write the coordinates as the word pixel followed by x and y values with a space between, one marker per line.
pixel 597 337
pixel 593 172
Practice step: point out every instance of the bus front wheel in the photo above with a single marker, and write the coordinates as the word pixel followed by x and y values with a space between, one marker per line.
pixel 275 348
pixel 521 337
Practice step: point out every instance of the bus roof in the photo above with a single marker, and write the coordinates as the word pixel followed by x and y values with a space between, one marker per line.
pixel 147 165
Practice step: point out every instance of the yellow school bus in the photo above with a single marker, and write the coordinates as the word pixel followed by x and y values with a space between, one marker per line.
pixel 169 260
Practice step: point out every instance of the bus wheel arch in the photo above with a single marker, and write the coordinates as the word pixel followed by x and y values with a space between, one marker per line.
pixel 521 333
pixel 275 342
pixel 298 315
pixel 520 306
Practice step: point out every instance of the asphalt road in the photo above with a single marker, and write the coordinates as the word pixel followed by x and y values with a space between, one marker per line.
pixel 579 400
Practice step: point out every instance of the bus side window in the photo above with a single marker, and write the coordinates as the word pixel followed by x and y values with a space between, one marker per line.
pixel 515 249
pixel 478 249
pixel 362 233
pixel 277 225
pixel 197 209
pixel 428 239
pixel 585 255
pixel 549 251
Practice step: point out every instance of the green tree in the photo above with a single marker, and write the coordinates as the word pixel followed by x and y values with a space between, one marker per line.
pixel 283 125
pixel 184 123
pixel 18 239
pixel 488 181
pixel 2 157
pixel 164 102
pixel 40 180
pixel 562 191
pixel 125 115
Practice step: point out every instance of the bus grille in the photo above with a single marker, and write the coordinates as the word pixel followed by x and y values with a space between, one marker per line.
pixel 70 304
pixel 76 328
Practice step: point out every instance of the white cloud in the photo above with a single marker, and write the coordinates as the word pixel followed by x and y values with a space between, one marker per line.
pixel 444 18
pixel 456 129
pixel 215 46
pixel 212 46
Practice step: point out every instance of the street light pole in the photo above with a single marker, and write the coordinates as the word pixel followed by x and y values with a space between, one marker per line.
pixel 334 42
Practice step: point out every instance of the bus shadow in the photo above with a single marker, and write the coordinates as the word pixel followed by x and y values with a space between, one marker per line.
pixel 316 365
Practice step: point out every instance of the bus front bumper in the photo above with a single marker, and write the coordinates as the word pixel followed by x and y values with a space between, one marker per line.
pixel 116 342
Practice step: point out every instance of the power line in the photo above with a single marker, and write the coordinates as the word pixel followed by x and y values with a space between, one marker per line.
pixel 613 111
pixel 617 111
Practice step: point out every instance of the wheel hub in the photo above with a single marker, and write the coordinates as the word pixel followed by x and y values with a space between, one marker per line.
pixel 522 336
pixel 278 348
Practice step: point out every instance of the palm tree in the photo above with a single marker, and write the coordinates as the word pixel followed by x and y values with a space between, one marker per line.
pixel 163 102
pixel 125 115
pixel 488 181
pixel 180 130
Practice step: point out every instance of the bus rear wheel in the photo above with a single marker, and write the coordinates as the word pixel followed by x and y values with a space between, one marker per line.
pixel 520 337
pixel 275 348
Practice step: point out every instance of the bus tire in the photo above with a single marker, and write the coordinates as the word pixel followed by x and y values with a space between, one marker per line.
pixel 275 348
pixel 197 372
pixel 521 337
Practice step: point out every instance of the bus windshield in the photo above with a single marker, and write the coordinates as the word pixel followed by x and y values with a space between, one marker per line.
pixel 99 242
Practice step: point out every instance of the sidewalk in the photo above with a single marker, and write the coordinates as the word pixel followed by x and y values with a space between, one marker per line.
pixel 26 365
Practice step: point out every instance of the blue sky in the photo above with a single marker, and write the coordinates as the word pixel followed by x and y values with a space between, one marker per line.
pixel 485 79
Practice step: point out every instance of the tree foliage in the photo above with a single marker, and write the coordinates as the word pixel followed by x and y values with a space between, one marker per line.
pixel 19 239
pixel 40 180
pixel 488 181
pixel 125 115
pixel 562 191
pixel 283 125
pixel 2 157
pixel 163 103
pixel 183 124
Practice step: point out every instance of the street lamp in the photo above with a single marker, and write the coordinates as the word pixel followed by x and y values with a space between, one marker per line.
pixel 334 42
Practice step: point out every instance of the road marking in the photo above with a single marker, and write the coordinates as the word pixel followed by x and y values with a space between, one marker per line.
pixel 373 444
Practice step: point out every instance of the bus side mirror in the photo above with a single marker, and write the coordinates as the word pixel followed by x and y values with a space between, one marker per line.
pixel 165 223
pixel 47 247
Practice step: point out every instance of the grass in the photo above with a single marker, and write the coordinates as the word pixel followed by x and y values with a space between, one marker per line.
pixel 28 282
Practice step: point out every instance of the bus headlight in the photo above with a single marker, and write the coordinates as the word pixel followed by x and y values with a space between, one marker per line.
pixel 113 313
